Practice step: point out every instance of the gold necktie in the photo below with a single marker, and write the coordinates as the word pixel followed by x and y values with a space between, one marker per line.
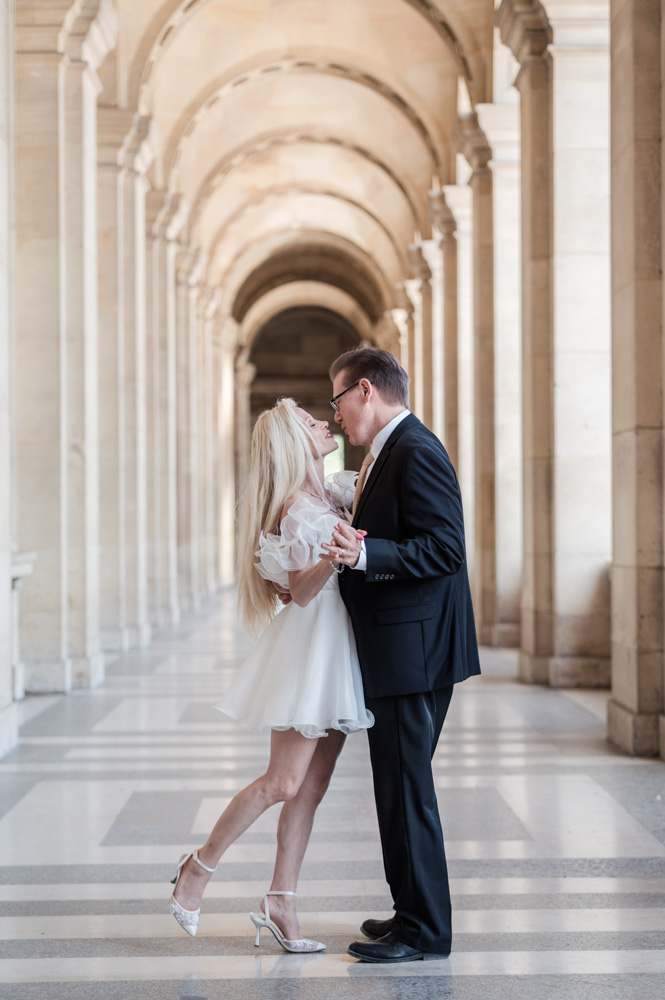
pixel 362 476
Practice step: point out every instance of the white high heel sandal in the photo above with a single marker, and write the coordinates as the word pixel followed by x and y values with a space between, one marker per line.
pixel 188 919
pixel 260 921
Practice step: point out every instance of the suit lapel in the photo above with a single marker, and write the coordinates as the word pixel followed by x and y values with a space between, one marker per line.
pixel 375 470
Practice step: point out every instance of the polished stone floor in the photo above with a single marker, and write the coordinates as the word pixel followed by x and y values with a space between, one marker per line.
pixel 556 845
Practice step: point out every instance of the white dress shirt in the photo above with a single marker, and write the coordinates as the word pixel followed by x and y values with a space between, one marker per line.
pixel 375 448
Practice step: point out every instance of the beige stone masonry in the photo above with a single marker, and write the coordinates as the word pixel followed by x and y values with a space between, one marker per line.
pixel 444 224
pixel 419 291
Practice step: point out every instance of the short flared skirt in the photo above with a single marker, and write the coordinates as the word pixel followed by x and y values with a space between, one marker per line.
pixel 303 674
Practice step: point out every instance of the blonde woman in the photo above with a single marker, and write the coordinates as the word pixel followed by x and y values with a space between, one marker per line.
pixel 302 680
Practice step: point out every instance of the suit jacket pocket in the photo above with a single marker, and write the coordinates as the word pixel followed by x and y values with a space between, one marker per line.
pixel 410 613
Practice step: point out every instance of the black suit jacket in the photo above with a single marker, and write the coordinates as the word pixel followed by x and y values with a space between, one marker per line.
pixel 411 610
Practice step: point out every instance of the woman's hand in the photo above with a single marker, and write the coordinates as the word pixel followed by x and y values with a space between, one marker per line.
pixel 346 545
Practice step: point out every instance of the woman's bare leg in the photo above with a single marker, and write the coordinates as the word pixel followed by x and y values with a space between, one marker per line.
pixel 290 756
pixel 295 827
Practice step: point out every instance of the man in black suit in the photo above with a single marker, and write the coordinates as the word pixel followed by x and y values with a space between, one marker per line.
pixel 406 588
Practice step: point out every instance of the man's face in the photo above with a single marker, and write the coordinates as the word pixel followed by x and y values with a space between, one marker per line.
pixel 355 410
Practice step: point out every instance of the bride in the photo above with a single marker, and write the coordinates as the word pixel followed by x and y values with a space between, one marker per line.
pixel 302 680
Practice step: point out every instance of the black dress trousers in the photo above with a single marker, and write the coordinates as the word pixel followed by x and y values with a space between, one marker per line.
pixel 402 742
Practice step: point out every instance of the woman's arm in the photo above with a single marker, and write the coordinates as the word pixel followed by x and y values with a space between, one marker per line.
pixel 305 584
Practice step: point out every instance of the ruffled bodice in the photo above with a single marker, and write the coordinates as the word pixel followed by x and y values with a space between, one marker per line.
pixel 308 523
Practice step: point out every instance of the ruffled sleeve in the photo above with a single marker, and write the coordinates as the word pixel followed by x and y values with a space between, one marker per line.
pixel 303 529
pixel 342 486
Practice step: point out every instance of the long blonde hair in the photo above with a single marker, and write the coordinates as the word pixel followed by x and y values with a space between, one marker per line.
pixel 282 456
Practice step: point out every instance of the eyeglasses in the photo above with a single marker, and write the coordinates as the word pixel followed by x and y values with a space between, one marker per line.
pixel 333 401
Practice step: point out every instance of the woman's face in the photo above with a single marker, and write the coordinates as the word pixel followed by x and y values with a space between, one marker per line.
pixel 319 430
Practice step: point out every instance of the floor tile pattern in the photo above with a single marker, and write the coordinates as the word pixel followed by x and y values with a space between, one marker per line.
pixel 556 845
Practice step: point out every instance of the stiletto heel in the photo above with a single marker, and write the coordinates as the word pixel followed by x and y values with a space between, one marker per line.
pixel 188 919
pixel 261 920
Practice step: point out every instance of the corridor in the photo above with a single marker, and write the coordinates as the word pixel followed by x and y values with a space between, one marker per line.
pixel 556 844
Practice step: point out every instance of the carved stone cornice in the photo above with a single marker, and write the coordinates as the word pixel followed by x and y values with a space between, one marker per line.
pixel 524 27
pixel 442 218
pixel 141 144
pixel 472 142
pixel 42 25
pixel 419 266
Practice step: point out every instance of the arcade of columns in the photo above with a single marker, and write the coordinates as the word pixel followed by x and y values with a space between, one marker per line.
pixel 530 327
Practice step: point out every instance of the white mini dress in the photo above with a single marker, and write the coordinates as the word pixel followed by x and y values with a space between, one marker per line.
pixel 303 673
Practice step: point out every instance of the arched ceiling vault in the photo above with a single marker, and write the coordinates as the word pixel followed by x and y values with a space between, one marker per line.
pixel 254 261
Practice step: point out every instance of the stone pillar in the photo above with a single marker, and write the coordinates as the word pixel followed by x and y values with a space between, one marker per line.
pixel 113 127
pixel 636 707
pixel 459 199
pixel 435 374
pixel 8 723
pixel 189 264
pixel 244 376
pixel 226 344
pixel 138 154
pixel 165 215
pixel 419 291
pixel 443 221
pixel 93 35
pixel 59 47
pixel 402 316
pixel 500 123
pixel 207 307
pixel 473 145
pixel 567 545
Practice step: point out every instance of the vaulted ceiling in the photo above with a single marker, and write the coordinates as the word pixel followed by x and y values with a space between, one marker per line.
pixel 304 135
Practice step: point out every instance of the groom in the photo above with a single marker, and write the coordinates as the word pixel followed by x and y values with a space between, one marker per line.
pixel 406 589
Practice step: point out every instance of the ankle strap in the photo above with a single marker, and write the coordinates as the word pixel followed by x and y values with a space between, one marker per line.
pixel 280 892
pixel 201 864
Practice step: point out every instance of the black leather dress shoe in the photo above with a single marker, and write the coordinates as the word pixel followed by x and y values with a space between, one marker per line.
pixel 377 928
pixel 389 949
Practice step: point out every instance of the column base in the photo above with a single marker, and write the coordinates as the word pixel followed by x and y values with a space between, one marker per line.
pixel 506 635
pixel 139 636
pixel 534 669
pixel 115 640
pixel 87 671
pixel 635 732
pixel 48 677
pixel 580 671
pixel 18 681
pixel 565 671
pixel 8 728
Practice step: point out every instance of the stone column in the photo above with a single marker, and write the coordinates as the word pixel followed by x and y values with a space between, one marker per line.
pixel 567 545
pixel 8 723
pixel 636 707
pixel 138 154
pixel 419 291
pixel 226 344
pixel 244 376
pixel 189 264
pixel 93 35
pixel 443 221
pixel 208 302
pixel 472 144
pixel 113 127
pixel 459 199
pixel 435 374
pixel 500 124
pixel 402 316
pixel 165 216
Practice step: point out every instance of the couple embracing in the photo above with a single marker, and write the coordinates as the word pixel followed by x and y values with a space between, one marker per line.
pixel 377 630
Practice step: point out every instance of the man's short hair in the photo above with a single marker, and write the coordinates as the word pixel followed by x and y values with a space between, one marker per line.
pixel 379 367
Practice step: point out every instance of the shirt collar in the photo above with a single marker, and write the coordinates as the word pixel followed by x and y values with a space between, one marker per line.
pixel 385 432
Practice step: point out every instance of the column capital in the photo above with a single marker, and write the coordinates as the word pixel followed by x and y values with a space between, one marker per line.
pixel 93 33
pixel 165 214
pixel 419 266
pixel 460 200
pixel 472 142
pixel 43 25
pixel 441 216
pixel 190 264
pixel 226 333
pixel 434 257
pixel 141 144
pixel 245 373
pixel 208 301
pixel 403 302
pixel 501 125
pixel 524 27
pixel 581 26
